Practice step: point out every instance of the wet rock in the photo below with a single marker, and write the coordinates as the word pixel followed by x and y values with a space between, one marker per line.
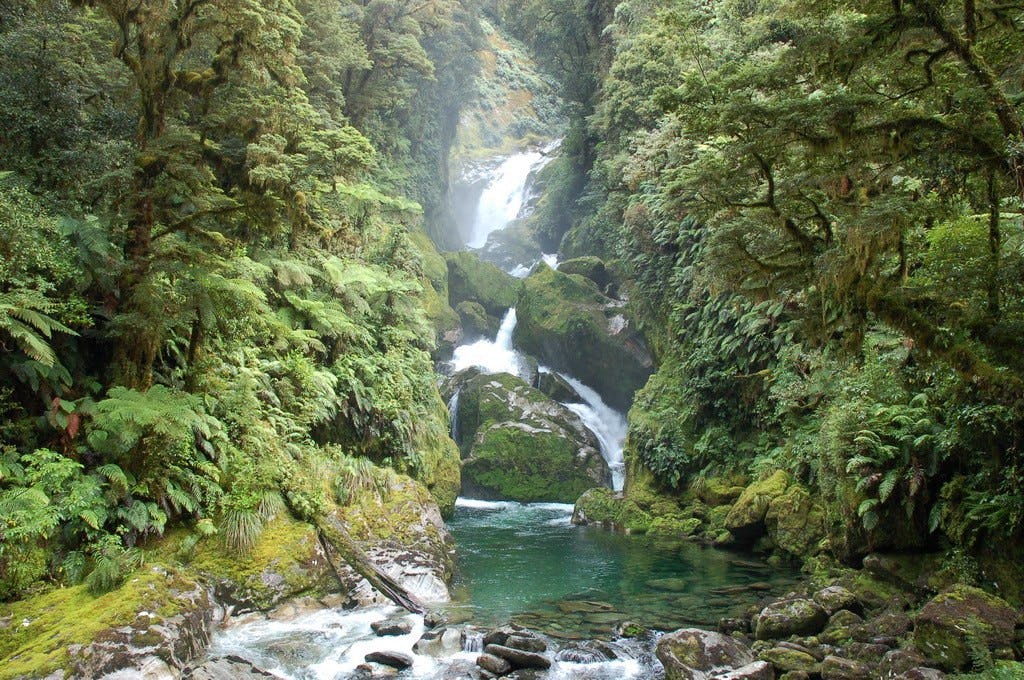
pixel 556 458
pixel 493 664
pixel 227 668
pixel 587 652
pixel 795 616
pixel 808 649
pixel 439 642
pixel 835 598
pixel 476 323
pixel 837 668
pixel 733 625
pixel 795 520
pixel 865 651
pixel 392 627
pixel 435 619
pixel 526 643
pixel 519 658
pixel 374 671
pixel 688 653
pixel 962 622
pixel 393 659
pixel 785 659
pixel 896 662
pixel 474 280
pixel 556 387
pixel 842 627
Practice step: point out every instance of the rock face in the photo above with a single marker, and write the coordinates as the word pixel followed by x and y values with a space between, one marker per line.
pixel 517 444
pixel 795 616
pixel 571 326
pixel 691 653
pixel 962 622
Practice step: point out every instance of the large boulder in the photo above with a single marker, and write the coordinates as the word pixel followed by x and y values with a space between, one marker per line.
pixel 795 521
pixel 692 653
pixel 518 444
pixel 795 616
pixel 592 268
pixel 746 518
pixel 471 279
pixel 961 623
pixel 567 323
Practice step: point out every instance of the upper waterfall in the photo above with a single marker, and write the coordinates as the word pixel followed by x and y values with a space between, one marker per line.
pixel 505 194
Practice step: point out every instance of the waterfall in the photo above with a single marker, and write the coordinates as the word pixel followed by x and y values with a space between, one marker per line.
pixel 503 199
pixel 607 424
pixel 474 642
pixel 491 356
pixel 453 414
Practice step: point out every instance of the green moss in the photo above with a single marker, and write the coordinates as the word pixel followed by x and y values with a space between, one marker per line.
pixel 440 460
pixel 41 629
pixel 962 626
pixel 751 508
pixel 512 463
pixel 602 506
pixel 795 521
pixel 566 322
pixel 472 279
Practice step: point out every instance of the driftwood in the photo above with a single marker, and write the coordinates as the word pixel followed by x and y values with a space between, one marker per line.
pixel 334 535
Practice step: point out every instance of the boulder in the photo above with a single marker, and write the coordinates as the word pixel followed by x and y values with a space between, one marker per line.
pixel 493 664
pixel 474 280
pixel 606 508
pixel 898 661
pixel 785 659
pixel 796 616
pixel 392 627
pixel 758 670
pixel 518 658
pixel 962 622
pixel 567 323
pixel 838 668
pixel 795 521
pixel 517 444
pixel 526 643
pixel 718 491
pixel 374 671
pixel 689 653
pixel 592 268
pixel 835 598
pixel 746 518
pixel 398 660
pixel 476 323
pixel 556 387
pixel 439 642
pixel 923 673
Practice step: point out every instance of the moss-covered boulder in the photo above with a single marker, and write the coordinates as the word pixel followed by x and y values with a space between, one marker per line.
pixel 592 268
pixel 962 624
pixel 717 491
pixel 606 508
pixel 287 561
pixel 795 521
pixel 794 616
pixel 474 280
pixel 572 327
pixel 156 623
pixel 690 653
pixel 746 518
pixel 517 444
pixel 476 323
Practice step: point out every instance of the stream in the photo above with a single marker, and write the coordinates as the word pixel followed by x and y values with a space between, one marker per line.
pixel 527 563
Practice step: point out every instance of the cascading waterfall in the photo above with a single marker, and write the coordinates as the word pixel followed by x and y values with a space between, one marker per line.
pixel 503 199
pixel 492 356
pixel 607 424
pixel 453 410
pixel 474 643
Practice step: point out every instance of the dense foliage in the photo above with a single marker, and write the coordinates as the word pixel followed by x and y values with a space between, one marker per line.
pixel 210 303
pixel 820 202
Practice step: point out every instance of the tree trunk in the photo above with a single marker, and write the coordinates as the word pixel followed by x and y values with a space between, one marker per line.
pixel 333 533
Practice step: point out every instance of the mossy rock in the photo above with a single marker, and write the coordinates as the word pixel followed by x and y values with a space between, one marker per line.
pixel 672 528
pixel 158 612
pixel 717 491
pixel 794 616
pixel 795 521
pixel 517 444
pixel 440 466
pixel 604 507
pixel 746 518
pixel 592 268
pixel 475 322
pixel 287 561
pixel 570 326
pixel 474 280
pixel 962 625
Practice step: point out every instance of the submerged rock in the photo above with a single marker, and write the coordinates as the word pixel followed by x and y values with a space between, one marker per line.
pixel 392 627
pixel 518 444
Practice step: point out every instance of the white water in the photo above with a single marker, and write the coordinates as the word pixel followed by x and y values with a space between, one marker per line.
pixel 492 356
pixel 607 424
pixel 453 411
pixel 503 198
